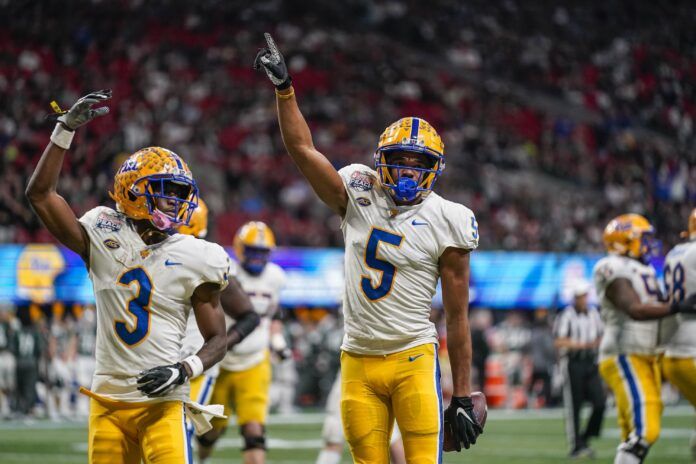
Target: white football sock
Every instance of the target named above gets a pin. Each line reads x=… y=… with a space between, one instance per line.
x=329 y=457
x=624 y=457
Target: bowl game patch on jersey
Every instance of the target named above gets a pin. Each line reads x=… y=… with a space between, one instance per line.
x=361 y=181
x=109 y=221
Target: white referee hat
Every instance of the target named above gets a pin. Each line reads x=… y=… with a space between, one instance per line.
x=580 y=288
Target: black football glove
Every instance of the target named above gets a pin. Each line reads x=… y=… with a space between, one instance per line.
x=270 y=59
x=685 y=306
x=162 y=379
x=82 y=112
x=461 y=421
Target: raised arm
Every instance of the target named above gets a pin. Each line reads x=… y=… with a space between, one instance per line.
x=52 y=208
x=297 y=138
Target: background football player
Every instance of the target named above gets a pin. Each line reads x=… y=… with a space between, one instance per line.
x=245 y=373
x=400 y=238
x=679 y=361
x=629 y=297
x=146 y=281
x=235 y=304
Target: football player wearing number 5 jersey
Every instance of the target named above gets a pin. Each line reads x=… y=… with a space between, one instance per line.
x=630 y=304
x=679 y=361
x=400 y=238
x=146 y=279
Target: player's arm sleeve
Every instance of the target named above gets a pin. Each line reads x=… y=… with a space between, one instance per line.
x=216 y=266
x=460 y=229
x=360 y=182
x=100 y=223
x=606 y=271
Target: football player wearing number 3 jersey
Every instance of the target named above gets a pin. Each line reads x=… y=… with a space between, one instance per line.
x=630 y=302
x=146 y=280
x=400 y=238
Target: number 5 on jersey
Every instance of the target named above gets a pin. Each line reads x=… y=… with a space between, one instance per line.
x=138 y=306
x=387 y=269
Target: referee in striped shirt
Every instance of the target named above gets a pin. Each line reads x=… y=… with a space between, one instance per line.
x=578 y=331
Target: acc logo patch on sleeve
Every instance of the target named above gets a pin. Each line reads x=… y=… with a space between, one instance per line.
x=361 y=181
x=111 y=243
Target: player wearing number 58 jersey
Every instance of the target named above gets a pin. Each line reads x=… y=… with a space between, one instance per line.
x=630 y=302
x=679 y=361
x=401 y=238
x=146 y=280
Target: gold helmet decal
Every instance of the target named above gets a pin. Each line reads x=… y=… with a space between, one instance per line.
x=150 y=174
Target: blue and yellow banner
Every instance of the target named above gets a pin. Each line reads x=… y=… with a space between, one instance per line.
x=43 y=273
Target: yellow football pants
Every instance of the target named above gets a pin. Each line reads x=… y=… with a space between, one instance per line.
x=377 y=389
x=635 y=381
x=681 y=372
x=125 y=433
x=244 y=393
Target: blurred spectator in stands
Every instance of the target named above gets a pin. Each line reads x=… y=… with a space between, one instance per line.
x=543 y=356
x=27 y=347
x=481 y=322
x=7 y=362
x=513 y=337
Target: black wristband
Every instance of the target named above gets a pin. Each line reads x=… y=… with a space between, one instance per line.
x=245 y=324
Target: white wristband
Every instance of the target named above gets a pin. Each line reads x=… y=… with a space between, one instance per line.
x=196 y=365
x=62 y=137
x=278 y=342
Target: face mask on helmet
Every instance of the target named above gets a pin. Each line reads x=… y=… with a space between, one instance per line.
x=409 y=138
x=171 y=200
x=650 y=247
x=401 y=167
x=255 y=259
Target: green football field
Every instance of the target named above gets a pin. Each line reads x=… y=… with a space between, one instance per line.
x=523 y=437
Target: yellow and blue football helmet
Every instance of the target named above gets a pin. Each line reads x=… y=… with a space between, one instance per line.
x=149 y=174
x=198 y=224
x=253 y=244
x=412 y=135
x=631 y=235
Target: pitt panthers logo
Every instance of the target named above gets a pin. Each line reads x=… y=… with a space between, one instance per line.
x=131 y=164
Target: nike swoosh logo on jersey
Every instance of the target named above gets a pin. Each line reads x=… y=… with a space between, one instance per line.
x=416 y=223
x=413 y=358
x=171 y=263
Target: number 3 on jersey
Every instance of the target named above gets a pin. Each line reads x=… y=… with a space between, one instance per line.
x=139 y=306
x=387 y=269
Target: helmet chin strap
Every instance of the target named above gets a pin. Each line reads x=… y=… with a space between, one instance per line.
x=161 y=220
x=406 y=189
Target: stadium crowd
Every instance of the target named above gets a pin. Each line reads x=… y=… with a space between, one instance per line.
x=182 y=78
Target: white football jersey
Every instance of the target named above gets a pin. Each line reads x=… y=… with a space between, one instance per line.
x=623 y=335
x=264 y=293
x=143 y=298
x=680 y=282
x=391 y=263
